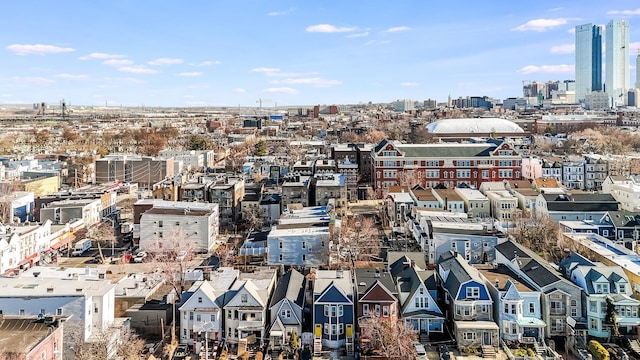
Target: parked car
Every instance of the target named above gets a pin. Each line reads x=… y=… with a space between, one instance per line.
x=181 y=352
x=616 y=352
x=421 y=353
x=139 y=257
x=444 y=352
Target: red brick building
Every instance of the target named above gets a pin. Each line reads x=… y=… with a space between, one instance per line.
x=449 y=164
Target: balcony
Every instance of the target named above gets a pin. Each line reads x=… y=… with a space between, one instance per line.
x=250 y=325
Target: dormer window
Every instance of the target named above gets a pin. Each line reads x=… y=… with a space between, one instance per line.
x=622 y=289
x=473 y=292
x=602 y=288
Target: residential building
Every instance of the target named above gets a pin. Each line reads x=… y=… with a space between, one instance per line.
x=595 y=172
x=287 y=308
x=561 y=297
x=31 y=338
x=329 y=186
x=617 y=61
x=469 y=305
x=202 y=308
x=228 y=196
x=23 y=246
x=169 y=223
x=61 y=212
x=333 y=311
x=399 y=204
x=573 y=174
x=449 y=199
x=295 y=190
x=606 y=286
x=575 y=206
x=301 y=238
x=417 y=295
x=450 y=164
x=143 y=170
x=376 y=295
x=626 y=191
x=246 y=311
x=424 y=198
x=504 y=206
x=518 y=305
x=349 y=170
x=588 y=57
x=476 y=205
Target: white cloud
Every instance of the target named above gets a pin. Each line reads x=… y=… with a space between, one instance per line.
x=97 y=55
x=137 y=69
x=198 y=86
x=207 y=63
x=563 y=49
x=240 y=90
x=280 y=13
x=265 y=70
x=318 y=82
x=281 y=90
x=117 y=62
x=357 y=35
x=165 y=61
x=546 y=69
x=572 y=31
x=634 y=46
x=71 y=76
x=327 y=28
x=541 y=24
x=37 y=49
x=192 y=73
x=397 y=29
x=624 y=12
x=555 y=9
x=409 y=83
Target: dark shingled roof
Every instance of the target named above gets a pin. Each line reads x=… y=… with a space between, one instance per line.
x=291 y=286
x=530 y=263
x=459 y=271
x=368 y=277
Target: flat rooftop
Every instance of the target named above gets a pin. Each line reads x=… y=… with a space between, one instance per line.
x=21 y=334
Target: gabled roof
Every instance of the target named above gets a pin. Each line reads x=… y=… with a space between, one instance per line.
x=580 y=202
x=512 y=292
x=409 y=281
x=568 y=263
x=459 y=272
x=367 y=278
x=400 y=260
x=381 y=145
x=624 y=219
x=290 y=286
x=532 y=265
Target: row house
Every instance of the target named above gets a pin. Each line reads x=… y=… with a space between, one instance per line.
x=518 y=305
x=287 y=309
x=358 y=154
x=247 y=309
x=562 y=299
x=603 y=286
x=626 y=191
x=503 y=205
x=64 y=211
x=376 y=295
x=326 y=186
x=559 y=207
x=417 y=295
x=424 y=198
x=398 y=205
x=444 y=163
x=449 y=199
x=476 y=204
x=22 y=246
x=333 y=311
x=202 y=307
x=143 y=170
x=469 y=306
x=295 y=190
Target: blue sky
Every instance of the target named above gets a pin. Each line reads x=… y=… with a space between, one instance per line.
x=230 y=53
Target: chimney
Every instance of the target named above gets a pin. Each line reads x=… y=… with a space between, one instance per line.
x=377 y=274
x=497 y=283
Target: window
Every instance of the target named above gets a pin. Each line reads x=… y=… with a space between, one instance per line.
x=622 y=289
x=341 y=329
x=340 y=310
x=377 y=310
x=469 y=336
x=43 y=311
x=160 y=235
x=280 y=257
x=160 y=223
x=532 y=308
x=199 y=299
x=365 y=309
x=304 y=244
x=243 y=298
x=334 y=329
x=21 y=311
x=326 y=329
x=593 y=325
x=326 y=310
x=59 y=311
x=304 y=257
x=385 y=311
x=473 y=292
x=198 y=318
x=506 y=308
x=593 y=306
x=212 y=318
x=286 y=313
x=280 y=245
x=191 y=315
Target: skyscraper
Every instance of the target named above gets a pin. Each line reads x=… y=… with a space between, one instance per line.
x=617 y=60
x=588 y=60
x=638 y=71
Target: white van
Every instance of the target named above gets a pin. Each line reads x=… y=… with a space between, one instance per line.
x=421 y=352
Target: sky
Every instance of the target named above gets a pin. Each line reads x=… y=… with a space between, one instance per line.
x=236 y=52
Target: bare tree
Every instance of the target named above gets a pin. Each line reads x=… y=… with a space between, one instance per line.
x=172 y=257
x=359 y=235
x=111 y=342
x=393 y=340
x=537 y=232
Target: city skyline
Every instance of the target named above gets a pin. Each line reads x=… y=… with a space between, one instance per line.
x=289 y=52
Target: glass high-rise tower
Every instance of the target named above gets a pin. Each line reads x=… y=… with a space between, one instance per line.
x=617 y=61
x=588 y=60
